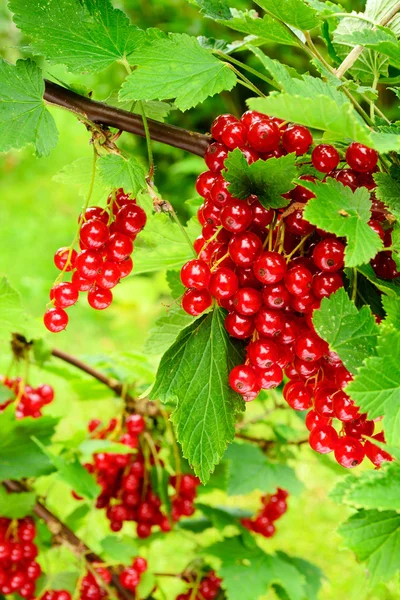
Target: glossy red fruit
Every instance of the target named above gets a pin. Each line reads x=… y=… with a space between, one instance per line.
x=99 y=298
x=135 y=424
x=302 y=194
x=220 y=123
x=239 y=326
x=242 y=379
x=95 y=212
x=55 y=319
x=328 y=255
x=269 y=323
x=298 y=280
x=325 y=158
x=88 y=263
x=344 y=408
x=349 y=452
x=275 y=296
x=61 y=257
x=82 y=283
x=195 y=274
x=244 y=248
x=125 y=267
x=361 y=158
x=250 y=117
x=236 y=216
x=247 y=301
x=323 y=439
x=298 y=395
x=296 y=224
x=195 y=302
x=313 y=420
x=204 y=183
x=219 y=192
x=119 y=247
x=375 y=454
x=346 y=177
x=130 y=219
x=359 y=427
x=263 y=353
x=309 y=347
x=223 y=283
x=109 y=275
x=234 y=135
x=215 y=156
x=377 y=227
x=262 y=216
x=297 y=139
x=323 y=400
x=64 y=294
x=270 y=267
x=264 y=135
x=324 y=285
x=93 y=234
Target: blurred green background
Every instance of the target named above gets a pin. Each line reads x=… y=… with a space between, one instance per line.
x=38 y=215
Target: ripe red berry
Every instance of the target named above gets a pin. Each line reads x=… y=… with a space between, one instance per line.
x=125 y=267
x=135 y=424
x=328 y=255
x=239 y=326
x=93 y=234
x=195 y=274
x=244 y=248
x=88 y=263
x=313 y=420
x=270 y=267
x=119 y=247
x=309 y=347
x=130 y=219
x=298 y=395
x=359 y=427
x=99 y=298
x=323 y=439
x=375 y=454
x=346 y=177
x=250 y=117
x=64 y=294
x=242 y=379
x=204 y=183
x=269 y=323
x=247 y=301
x=349 y=452
x=263 y=353
x=269 y=378
x=297 y=139
x=55 y=319
x=215 y=156
x=94 y=212
x=296 y=224
x=275 y=296
x=344 y=408
x=262 y=216
x=236 y=216
x=325 y=158
x=361 y=158
x=233 y=135
x=298 y=280
x=61 y=258
x=195 y=302
x=82 y=283
x=264 y=135
x=140 y=564
x=220 y=123
x=223 y=283
x=109 y=275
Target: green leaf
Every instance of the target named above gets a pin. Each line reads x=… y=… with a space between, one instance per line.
x=391 y=288
x=381 y=40
x=90 y=447
x=159 y=482
x=267 y=29
x=221 y=517
x=176 y=67
x=161 y=244
x=166 y=329
x=281 y=74
x=338 y=210
x=247 y=572
x=116 y=171
x=73 y=473
x=249 y=470
x=267 y=179
x=376 y=388
x=193 y=374
x=214 y=9
x=76 y=518
x=84 y=35
x=379 y=489
x=175 y=284
x=375 y=538
x=12 y=315
x=65 y=580
x=119 y=549
x=16 y=506
x=6 y=394
x=19 y=455
x=293 y=12
x=313 y=575
x=79 y=174
x=147 y=584
x=392 y=309
x=158 y=111
x=352 y=334
x=388 y=191
x=24 y=118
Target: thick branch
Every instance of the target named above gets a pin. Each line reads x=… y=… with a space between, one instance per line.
x=98 y=112
x=61 y=531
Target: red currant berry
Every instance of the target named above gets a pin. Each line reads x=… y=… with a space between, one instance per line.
x=323 y=439
x=99 y=298
x=64 y=294
x=236 y=216
x=195 y=274
x=93 y=234
x=377 y=227
x=109 y=275
x=264 y=135
x=220 y=123
x=262 y=216
x=81 y=283
x=275 y=296
x=360 y=427
x=55 y=319
x=94 y=212
x=140 y=564
x=313 y=419
x=195 y=302
x=294 y=223
x=361 y=158
x=244 y=248
x=324 y=285
x=323 y=400
x=204 y=183
x=270 y=267
x=61 y=259
x=375 y=454
x=125 y=267
x=349 y=452
x=270 y=378
x=242 y=379
x=247 y=301
x=119 y=247
x=325 y=158
x=215 y=156
x=88 y=263
x=223 y=283
x=269 y=323
x=328 y=255
x=130 y=220
x=250 y=117
x=263 y=353
x=298 y=280
x=298 y=395
x=309 y=347
x=297 y=139
x=344 y=408
x=219 y=192
x=346 y=177
x=239 y=326
x=234 y=135
x=302 y=194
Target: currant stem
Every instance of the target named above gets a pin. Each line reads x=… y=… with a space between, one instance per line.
x=238 y=63
x=148 y=143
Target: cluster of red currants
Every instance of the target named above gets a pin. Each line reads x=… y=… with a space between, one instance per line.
x=29 y=400
x=208 y=588
x=271 y=268
x=18 y=568
x=130 y=576
x=106 y=237
x=273 y=507
x=56 y=595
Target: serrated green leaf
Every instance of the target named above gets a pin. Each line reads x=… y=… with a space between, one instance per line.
x=293 y=12
x=281 y=74
x=381 y=39
x=375 y=538
x=79 y=174
x=24 y=118
x=221 y=517
x=388 y=191
x=392 y=309
x=175 y=284
x=146 y=585
x=166 y=329
x=116 y=171
x=249 y=470
x=267 y=179
x=351 y=333
x=65 y=580
x=158 y=111
x=267 y=29
x=176 y=67
x=19 y=455
x=313 y=575
x=193 y=374
x=376 y=388
x=119 y=549
x=214 y=9
x=12 y=315
x=247 y=572
x=98 y=33
x=75 y=519
x=16 y=506
x=338 y=210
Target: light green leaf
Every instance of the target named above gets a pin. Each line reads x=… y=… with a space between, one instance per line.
x=392 y=309
x=267 y=179
x=90 y=447
x=214 y=9
x=313 y=575
x=158 y=111
x=388 y=191
x=267 y=29
x=175 y=284
x=293 y=12
x=281 y=74
x=378 y=10
x=159 y=483
x=115 y=172
x=119 y=549
x=16 y=506
x=352 y=334
x=166 y=329
x=19 y=455
x=247 y=572
x=12 y=315
x=193 y=374
x=65 y=580
x=24 y=118
x=376 y=388
x=97 y=33
x=338 y=210
x=375 y=538
x=381 y=40
x=249 y=470
x=79 y=174
x=176 y=67
x=224 y=516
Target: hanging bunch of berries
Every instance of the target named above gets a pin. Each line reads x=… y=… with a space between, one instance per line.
x=207 y=589
x=270 y=269
x=125 y=479
x=272 y=509
x=106 y=237
x=29 y=401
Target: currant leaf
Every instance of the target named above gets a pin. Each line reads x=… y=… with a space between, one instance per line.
x=166 y=329
x=115 y=172
x=293 y=12
x=266 y=30
x=215 y=9
x=388 y=191
x=79 y=175
x=382 y=40
x=193 y=375
x=16 y=506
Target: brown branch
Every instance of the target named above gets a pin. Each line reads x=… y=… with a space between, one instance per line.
x=99 y=112
x=61 y=531
x=143 y=406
